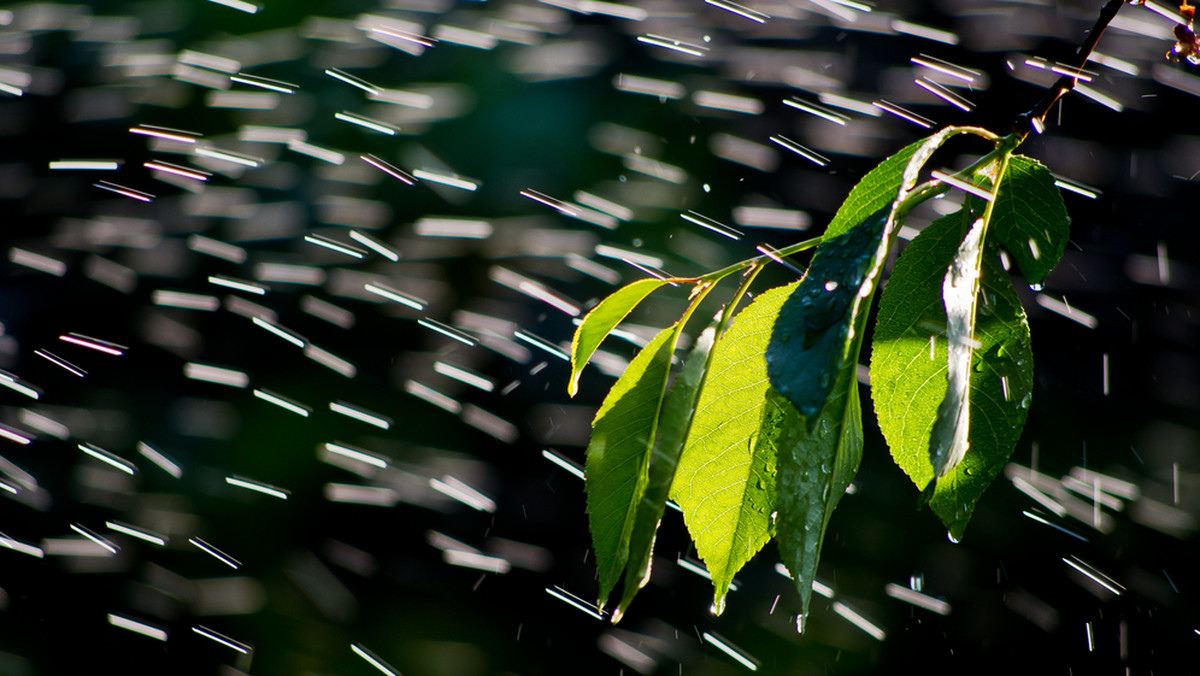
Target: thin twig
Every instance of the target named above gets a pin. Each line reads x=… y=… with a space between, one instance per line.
x=1034 y=120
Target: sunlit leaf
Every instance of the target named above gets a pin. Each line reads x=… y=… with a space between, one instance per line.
x=619 y=454
x=674 y=424
x=615 y=470
x=601 y=321
x=880 y=187
x=725 y=482
x=877 y=190
x=909 y=367
x=1030 y=218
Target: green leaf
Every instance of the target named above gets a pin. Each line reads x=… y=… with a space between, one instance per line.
x=894 y=176
x=673 y=427
x=814 y=472
x=619 y=453
x=602 y=320
x=948 y=440
x=1030 y=218
x=909 y=368
x=877 y=190
x=725 y=482
x=813 y=338
x=615 y=470
x=813 y=361
x=812 y=357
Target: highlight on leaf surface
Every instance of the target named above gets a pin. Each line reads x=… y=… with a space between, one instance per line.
x=949 y=442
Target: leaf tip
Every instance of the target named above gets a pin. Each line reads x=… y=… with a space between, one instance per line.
x=927 y=493
x=617 y=614
x=718 y=605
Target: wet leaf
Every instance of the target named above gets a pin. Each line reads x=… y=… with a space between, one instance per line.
x=616 y=467
x=814 y=336
x=960 y=286
x=1030 y=218
x=725 y=482
x=909 y=364
x=814 y=470
x=812 y=357
x=674 y=424
x=602 y=320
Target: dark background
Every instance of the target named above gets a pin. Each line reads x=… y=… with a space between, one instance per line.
x=318 y=576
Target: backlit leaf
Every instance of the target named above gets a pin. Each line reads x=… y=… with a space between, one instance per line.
x=1030 y=218
x=601 y=321
x=725 y=482
x=674 y=424
x=615 y=470
x=877 y=190
x=880 y=187
x=909 y=367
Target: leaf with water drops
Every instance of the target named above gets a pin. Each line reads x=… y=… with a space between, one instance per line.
x=815 y=335
x=725 y=482
x=815 y=468
x=1029 y=218
x=909 y=363
x=674 y=423
x=602 y=320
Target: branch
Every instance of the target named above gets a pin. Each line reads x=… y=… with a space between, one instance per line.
x=1034 y=120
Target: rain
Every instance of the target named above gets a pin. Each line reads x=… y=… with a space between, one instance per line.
x=288 y=294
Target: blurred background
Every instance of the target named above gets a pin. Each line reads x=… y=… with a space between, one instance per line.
x=287 y=285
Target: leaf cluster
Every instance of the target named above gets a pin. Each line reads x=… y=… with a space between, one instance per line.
x=758 y=433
